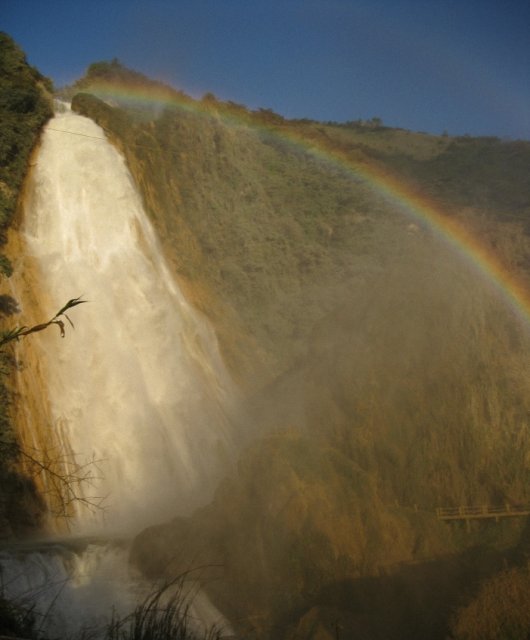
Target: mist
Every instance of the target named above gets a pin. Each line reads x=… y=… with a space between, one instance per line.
x=142 y=372
x=281 y=374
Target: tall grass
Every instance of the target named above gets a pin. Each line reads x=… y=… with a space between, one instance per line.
x=166 y=614
x=17 y=620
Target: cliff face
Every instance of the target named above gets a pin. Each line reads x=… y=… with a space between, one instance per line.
x=25 y=106
x=263 y=237
x=384 y=374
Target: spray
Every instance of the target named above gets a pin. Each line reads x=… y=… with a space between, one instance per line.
x=140 y=389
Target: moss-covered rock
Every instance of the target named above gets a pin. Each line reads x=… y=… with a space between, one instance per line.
x=25 y=106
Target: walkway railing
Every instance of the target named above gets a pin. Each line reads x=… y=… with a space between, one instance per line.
x=482 y=512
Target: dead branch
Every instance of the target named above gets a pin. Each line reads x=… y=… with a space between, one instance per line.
x=20 y=332
x=64 y=477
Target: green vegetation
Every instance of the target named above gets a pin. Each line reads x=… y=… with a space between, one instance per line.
x=386 y=375
x=257 y=228
x=25 y=106
x=271 y=236
x=500 y=610
x=484 y=174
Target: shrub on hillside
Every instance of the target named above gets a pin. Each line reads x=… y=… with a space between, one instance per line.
x=500 y=611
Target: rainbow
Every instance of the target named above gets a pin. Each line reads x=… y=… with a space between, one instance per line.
x=415 y=205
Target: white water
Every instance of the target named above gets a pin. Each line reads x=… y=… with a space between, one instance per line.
x=70 y=590
x=139 y=385
x=74 y=590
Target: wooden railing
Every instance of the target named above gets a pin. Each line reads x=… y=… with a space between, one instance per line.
x=482 y=512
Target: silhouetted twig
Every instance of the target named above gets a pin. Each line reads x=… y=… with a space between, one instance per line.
x=65 y=477
x=20 y=332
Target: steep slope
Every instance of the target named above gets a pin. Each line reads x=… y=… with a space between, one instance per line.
x=384 y=375
x=258 y=225
x=25 y=106
x=388 y=376
x=263 y=235
x=415 y=396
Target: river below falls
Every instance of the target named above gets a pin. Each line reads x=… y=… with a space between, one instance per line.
x=76 y=586
x=135 y=405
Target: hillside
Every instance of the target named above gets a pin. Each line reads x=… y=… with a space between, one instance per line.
x=385 y=375
x=25 y=106
x=262 y=226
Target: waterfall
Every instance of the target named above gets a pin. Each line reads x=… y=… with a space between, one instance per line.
x=138 y=390
x=134 y=401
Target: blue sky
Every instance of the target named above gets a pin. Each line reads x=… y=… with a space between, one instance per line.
x=457 y=65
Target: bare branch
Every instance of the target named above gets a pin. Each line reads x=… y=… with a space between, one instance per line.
x=64 y=477
x=20 y=332
x=61 y=476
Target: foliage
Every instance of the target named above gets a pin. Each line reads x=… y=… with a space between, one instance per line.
x=163 y=615
x=485 y=174
x=248 y=216
x=405 y=380
x=25 y=105
x=112 y=71
x=103 y=77
x=6 y=268
x=500 y=610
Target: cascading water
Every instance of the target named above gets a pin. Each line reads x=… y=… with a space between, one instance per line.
x=139 y=387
